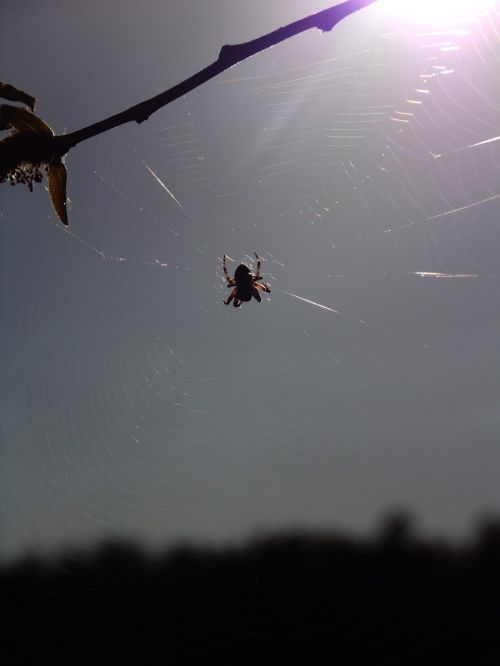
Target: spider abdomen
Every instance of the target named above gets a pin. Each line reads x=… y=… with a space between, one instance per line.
x=242 y=274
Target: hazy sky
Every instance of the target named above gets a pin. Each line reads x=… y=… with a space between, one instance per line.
x=134 y=403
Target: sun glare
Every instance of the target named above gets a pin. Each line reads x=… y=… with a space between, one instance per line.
x=437 y=9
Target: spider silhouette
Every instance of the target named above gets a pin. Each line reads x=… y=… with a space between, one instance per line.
x=245 y=284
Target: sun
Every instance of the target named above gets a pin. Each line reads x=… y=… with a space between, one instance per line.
x=423 y=10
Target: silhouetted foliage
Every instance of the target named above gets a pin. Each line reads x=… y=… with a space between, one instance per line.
x=296 y=598
x=28 y=152
x=7 y=91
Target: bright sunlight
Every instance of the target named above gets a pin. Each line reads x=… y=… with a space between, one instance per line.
x=437 y=9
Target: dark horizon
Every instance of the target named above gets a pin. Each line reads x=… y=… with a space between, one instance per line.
x=391 y=597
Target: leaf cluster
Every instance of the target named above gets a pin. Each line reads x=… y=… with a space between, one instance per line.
x=30 y=151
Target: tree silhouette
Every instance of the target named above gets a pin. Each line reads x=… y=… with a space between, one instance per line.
x=303 y=598
x=32 y=146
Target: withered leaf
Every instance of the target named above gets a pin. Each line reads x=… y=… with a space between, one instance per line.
x=57 y=190
x=7 y=91
x=21 y=120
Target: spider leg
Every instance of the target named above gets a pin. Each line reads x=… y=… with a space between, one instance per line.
x=257 y=275
x=263 y=287
x=231 y=296
x=256 y=295
x=237 y=303
x=226 y=274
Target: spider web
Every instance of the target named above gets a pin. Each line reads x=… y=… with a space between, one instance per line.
x=364 y=170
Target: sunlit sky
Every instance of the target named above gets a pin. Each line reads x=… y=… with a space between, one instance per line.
x=427 y=11
x=363 y=167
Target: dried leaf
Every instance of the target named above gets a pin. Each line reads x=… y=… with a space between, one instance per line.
x=15 y=95
x=22 y=120
x=57 y=190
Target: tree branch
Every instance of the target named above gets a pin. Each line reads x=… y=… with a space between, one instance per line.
x=229 y=56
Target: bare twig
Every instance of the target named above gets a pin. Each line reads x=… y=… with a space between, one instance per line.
x=32 y=148
x=229 y=56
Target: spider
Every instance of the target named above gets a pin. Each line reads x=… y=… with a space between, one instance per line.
x=245 y=284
